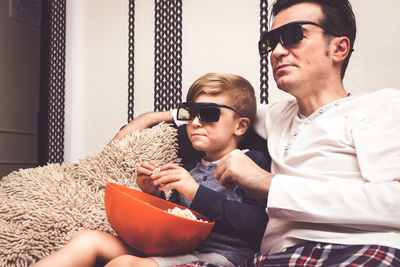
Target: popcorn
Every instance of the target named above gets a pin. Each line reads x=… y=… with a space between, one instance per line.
x=186 y=213
x=156 y=170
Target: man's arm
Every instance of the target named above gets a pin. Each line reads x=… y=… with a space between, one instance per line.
x=143 y=121
x=354 y=203
x=370 y=201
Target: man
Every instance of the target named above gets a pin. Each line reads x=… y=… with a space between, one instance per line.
x=334 y=187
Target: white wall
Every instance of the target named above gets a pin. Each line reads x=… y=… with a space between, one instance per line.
x=374 y=63
x=218 y=35
x=96 y=74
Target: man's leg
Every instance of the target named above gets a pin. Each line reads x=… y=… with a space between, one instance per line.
x=322 y=254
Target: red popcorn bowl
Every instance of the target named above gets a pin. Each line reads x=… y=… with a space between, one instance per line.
x=142 y=221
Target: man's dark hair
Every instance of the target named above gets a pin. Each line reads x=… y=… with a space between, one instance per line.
x=338 y=17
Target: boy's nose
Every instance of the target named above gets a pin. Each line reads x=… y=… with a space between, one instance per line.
x=196 y=120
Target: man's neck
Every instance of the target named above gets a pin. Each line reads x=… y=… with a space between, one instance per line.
x=319 y=97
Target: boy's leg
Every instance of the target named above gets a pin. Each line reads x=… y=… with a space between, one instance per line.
x=84 y=248
x=128 y=260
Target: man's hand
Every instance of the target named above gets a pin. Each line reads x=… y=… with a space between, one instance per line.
x=237 y=168
x=144 y=180
x=143 y=121
x=172 y=176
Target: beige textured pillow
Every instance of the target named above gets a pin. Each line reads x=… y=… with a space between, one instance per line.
x=40 y=208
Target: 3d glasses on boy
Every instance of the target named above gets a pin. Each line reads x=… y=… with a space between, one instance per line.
x=205 y=111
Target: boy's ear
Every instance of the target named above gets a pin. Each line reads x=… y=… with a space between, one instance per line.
x=242 y=126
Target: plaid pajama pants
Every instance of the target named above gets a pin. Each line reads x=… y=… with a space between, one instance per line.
x=322 y=254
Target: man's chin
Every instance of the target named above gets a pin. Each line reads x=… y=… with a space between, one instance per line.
x=284 y=86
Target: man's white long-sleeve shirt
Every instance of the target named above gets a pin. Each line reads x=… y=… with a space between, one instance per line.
x=337 y=172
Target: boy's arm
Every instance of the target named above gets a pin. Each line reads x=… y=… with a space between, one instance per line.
x=246 y=219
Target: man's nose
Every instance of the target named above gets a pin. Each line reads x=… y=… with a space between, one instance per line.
x=279 y=50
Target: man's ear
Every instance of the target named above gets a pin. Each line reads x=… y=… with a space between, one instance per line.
x=242 y=126
x=342 y=48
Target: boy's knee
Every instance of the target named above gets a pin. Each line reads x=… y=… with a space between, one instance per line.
x=87 y=236
x=125 y=260
x=128 y=260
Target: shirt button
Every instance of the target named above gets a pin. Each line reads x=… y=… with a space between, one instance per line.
x=321 y=111
x=336 y=103
x=307 y=121
x=205 y=178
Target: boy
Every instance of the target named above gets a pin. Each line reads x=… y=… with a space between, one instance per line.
x=219 y=110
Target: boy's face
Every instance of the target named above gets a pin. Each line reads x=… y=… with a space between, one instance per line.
x=216 y=139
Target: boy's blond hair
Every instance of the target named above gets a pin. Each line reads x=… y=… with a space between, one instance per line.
x=240 y=91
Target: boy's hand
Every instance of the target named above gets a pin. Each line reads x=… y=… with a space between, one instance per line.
x=144 y=180
x=173 y=176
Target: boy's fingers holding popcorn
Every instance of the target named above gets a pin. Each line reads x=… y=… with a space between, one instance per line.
x=143 y=171
x=167 y=186
x=161 y=173
x=151 y=165
x=164 y=179
x=169 y=166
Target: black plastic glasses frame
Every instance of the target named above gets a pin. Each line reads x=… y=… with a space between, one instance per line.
x=205 y=111
x=287 y=34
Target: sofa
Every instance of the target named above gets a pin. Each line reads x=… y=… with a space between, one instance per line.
x=40 y=208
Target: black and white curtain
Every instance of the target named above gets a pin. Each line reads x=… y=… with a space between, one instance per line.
x=168 y=54
x=52 y=82
x=131 y=57
x=263 y=60
x=167 y=66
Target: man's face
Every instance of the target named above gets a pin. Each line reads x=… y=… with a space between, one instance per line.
x=302 y=67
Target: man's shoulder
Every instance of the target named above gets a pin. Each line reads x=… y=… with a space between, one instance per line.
x=386 y=92
x=371 y=107
x=279 y=108
x=386 y=97
x=288 y=103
